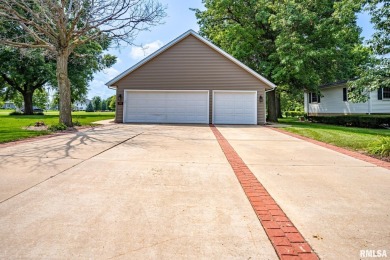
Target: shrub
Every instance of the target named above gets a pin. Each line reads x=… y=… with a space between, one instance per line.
x=57 y=127
x=16 y=113
x=380 y=147
x=76 y=123
x=294 y=113
x=366 y=121
x=39 y=123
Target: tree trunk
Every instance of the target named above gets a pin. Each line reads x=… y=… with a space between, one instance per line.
x=272 y=110
x=64 y=88
x=278 y=106
x=28 y=103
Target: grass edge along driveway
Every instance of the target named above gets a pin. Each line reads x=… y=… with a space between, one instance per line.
x=353 y=138
x=12 y=127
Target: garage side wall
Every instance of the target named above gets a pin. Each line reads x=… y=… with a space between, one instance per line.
x=261 y=112
x=191 y=65
x=119 y=108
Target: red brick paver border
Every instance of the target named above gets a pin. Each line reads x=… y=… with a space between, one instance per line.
x=284 y=236
x=350 y=153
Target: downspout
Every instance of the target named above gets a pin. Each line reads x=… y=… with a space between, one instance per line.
x=369 y=103
x=307 y=93
x=308 y=104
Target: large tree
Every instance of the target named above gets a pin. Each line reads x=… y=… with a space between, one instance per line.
x=59 y=27
x=97 y=103
x=83 y=63
x=375 y=73
x=24 y=73
x=104 y=105
x=297 y=44
x=111 y=101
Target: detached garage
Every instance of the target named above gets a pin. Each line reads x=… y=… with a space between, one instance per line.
x=190 y=80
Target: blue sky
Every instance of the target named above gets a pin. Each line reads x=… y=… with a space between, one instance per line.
x=179 y=20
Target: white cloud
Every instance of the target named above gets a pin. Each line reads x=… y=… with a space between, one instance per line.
x=138 y=53
x=97 y=87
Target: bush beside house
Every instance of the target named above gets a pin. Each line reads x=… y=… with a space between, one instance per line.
x=366 y=121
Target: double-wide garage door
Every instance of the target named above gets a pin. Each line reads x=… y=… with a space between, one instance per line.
x=164 y=106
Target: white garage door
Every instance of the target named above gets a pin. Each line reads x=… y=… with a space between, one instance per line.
x=166 y=107
x=235 y=107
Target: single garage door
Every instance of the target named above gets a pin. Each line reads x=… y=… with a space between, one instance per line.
x=166 y=107
x=235 y=107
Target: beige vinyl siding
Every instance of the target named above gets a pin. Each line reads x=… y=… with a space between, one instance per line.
x=261 y=109
x=191 y=65
x=119 y=108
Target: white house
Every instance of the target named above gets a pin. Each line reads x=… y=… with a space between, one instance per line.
x=9 y=105
x=81 y=106
x=334 y=101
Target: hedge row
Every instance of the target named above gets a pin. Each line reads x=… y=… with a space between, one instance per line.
x=367 y=121
x=294 y=113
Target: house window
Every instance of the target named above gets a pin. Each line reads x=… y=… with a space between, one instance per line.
x=345 y=94
x=386 y=93
x=314 y=98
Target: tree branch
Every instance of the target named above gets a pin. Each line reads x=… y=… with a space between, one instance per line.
x=12 y=82
x=26 y=45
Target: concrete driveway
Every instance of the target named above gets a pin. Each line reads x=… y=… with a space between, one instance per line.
x=341 y=205
x=126 y=191
x=167 y=191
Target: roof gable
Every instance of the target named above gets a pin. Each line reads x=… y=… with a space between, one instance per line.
x=180 y=39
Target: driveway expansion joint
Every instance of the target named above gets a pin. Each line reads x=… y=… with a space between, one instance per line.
x=287 y=241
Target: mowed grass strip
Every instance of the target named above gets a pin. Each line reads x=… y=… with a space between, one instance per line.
x=358 y=139
x=11 y=127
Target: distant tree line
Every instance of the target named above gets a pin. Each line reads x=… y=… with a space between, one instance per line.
x=99 y=104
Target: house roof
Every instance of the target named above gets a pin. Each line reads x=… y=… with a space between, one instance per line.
x=112 y=82
x=335 y=84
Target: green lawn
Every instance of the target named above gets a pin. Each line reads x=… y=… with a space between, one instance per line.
x=354 y=138
x=11 y=127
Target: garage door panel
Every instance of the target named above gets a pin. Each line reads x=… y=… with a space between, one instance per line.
x=235 y=107
x=166 y=107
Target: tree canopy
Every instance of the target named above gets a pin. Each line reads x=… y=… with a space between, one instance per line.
x=376 y=72
x=25 y=71
x=97 y=103
x=298 y=45
x=61 y=27
x=112 y=102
